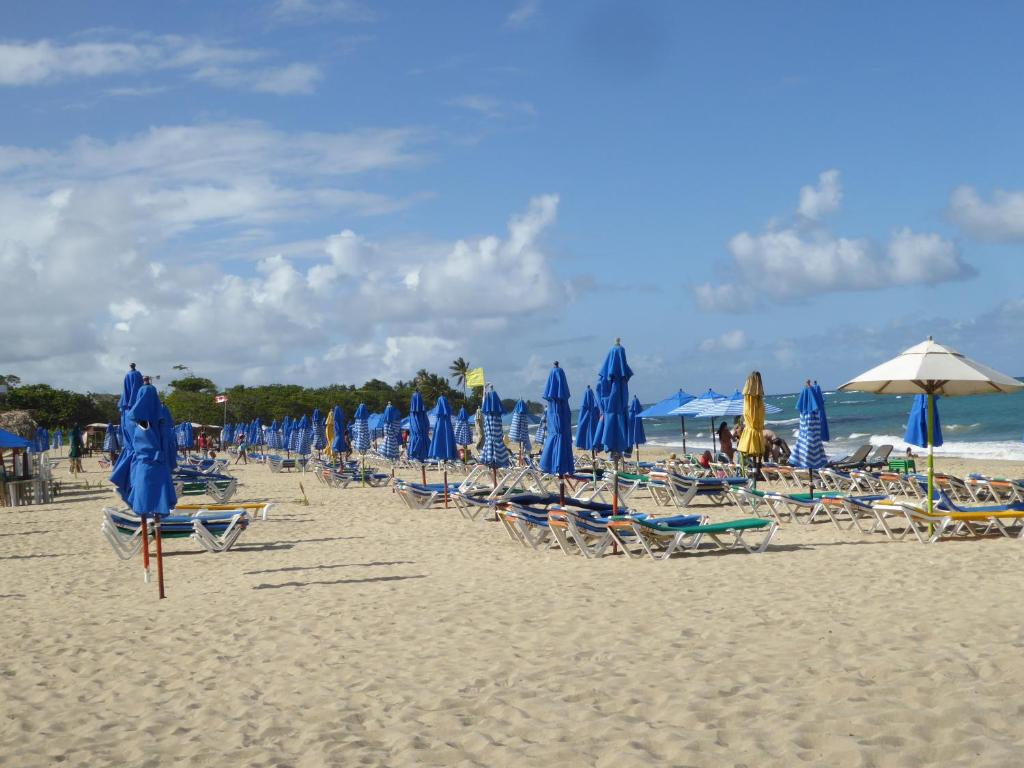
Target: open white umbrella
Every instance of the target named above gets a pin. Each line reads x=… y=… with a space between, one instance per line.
x=932 y=369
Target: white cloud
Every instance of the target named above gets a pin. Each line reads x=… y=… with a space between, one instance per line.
x=1000 y=221
x=311 y=11
x=44 y=61
x=805 y=259
x=730 y=341
x=816 y=202
x=523 y=13
x=493 y=107
x=107 y=232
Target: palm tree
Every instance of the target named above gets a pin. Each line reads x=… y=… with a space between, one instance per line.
x=459 y=369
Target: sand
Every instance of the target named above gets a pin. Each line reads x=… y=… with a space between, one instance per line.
x=354 y=631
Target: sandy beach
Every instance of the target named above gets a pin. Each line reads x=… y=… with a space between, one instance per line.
x=354 y=631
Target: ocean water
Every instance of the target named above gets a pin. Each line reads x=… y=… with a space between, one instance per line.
x=981 y=427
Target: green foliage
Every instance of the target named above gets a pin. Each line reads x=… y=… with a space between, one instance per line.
x=194 y=384
x=10 y=380
x=459 y=369
x=60 y=407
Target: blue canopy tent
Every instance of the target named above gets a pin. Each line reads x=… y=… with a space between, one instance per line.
x=809 y=453
x=556 y=456
x=695 y=406
x=666 y=407
x=636 y=426
x=613 y=396
x=419 y=433
x=519 y=431
x=494 y=454
x=442 y=443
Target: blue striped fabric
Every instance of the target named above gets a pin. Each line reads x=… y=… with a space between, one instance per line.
x=542 y=429
x=389 y=447
x=494 y=453
x=809 y=453
x=360 y=435
x=519 y=431
x=463 y=436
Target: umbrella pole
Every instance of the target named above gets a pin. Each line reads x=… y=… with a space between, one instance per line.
x=362 y=470
x=714 y=445
x=561 y=489
x=445 y=486
x=159 y=556
x=423 y=473
x=682 y=428
x=145 y=550
x=931 y=455
x=615 y=485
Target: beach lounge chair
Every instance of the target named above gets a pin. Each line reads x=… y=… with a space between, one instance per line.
x=750 y=500
x=214 y=531
x=878 y=457
x=949 y=520
x=780 y=473
x=998 y=490
x=218 y=487
x=852 y=508
x=793 y=506
x=419 y=496
x=660 y=541
x=854 y=460
x=670 y=488
x=258 y=510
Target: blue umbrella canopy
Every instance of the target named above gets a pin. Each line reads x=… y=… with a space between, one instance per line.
x=274 y=436
x=11 y=440
x=917 y=423
x=586 y=427
x=443 y=446
x=636 y=423
x=519 y=431
x=148 y=487
x=361 y=429
x=494 y=453
x=391 y=419
x=340 y=443
x=819 y=397
x=419 y=429
x=613 y=396
x=301 y=441
x=667 y=406
x=697 y=404
x=129 y=391
x=463 y=435
x=808 y=453
x=256 y=436
x=227 y=435
x=730 y=406
x=556 y=457
x=188 y=437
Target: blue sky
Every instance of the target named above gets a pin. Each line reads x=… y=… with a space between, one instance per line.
x=318 y=191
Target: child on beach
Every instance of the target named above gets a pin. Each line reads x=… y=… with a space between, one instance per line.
x=241 y=453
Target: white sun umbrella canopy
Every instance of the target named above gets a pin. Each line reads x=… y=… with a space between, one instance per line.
x=932 y=369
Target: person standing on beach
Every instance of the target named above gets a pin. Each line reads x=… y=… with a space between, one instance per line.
x=241 y=452
x=75 y=450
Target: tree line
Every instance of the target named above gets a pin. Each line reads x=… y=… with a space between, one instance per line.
x=191 y=398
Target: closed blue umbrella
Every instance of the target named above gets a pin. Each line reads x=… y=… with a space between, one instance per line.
x=419 y=431
x=227 y=435
x=188 y=436
x=494 y=453
x=129 y=390
x=819 y=396
x=666 y=407
x=389 y=448
x=273 y=436
x=917 y=423
x=556 y=456
x=541 y=432
x=519 y=430
x=586 y=426
x=58 y=439
x=148 y=487
x=636 y=426
x=110 y=444
x=463 y=436
x=361 y=429
x=443 y=447
x=809 y=453
x=302 y=437
x=340 y=443
x=613 y=396
x=319 y=428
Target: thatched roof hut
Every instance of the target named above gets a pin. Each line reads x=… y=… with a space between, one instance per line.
x=18 y=422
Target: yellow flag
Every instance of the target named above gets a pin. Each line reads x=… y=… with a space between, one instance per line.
x=475 y=377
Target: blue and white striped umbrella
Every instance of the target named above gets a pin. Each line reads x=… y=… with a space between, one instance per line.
x=301 y=438
x=519 y=431
x=463 y=436
x=361 y=429
x=392 y=420
x=110 y=441
x=319 y=431
x=542 y=430
x=494 y=453
x=809 y=453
